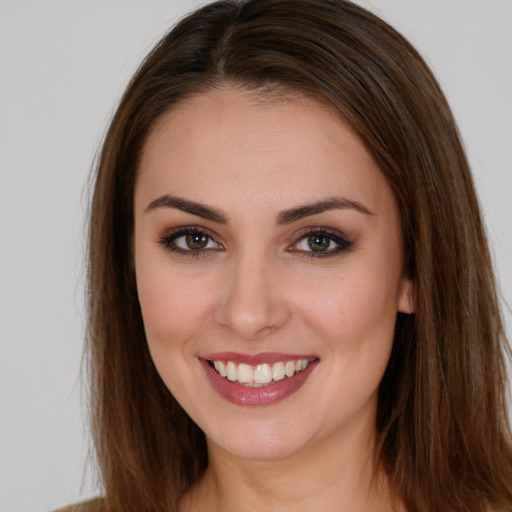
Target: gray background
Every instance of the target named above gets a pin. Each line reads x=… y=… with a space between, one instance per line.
x=64 y=65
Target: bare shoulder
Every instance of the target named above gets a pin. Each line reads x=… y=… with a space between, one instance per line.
x=94 y=505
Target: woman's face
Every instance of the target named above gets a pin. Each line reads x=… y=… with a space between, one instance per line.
x=269 y=264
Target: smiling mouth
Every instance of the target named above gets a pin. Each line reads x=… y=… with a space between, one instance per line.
x=259 y=375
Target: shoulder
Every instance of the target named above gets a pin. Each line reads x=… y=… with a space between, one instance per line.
x=94 y=505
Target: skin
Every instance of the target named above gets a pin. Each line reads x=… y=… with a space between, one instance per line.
x=255 y=288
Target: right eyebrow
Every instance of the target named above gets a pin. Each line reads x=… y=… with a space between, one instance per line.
x=299 y=212
x=185 y=205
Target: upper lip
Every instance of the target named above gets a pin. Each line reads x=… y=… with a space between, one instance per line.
x=254 y=359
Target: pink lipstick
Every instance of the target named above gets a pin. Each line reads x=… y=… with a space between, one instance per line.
x=257 y=379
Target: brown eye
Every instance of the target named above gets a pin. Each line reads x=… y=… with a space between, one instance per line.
x=196 y=241
x=320 y=243
x=190 y=242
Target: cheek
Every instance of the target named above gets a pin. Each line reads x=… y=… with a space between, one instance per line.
x=174 y=308
x=352 y=308
x=354 y=325
x=353 y=319
x=173 y=305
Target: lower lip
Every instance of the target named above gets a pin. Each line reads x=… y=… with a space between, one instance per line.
x=251 y=396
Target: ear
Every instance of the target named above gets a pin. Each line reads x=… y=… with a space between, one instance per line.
x=406 y=302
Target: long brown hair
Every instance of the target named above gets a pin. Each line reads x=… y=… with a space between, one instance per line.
x=443 y=436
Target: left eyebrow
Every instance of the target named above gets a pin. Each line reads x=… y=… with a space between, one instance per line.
x=333 y=203
x=186 y=205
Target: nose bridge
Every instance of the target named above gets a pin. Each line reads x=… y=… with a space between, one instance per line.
x=253 y=303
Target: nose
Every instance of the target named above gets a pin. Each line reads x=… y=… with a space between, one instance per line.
x=252 y=304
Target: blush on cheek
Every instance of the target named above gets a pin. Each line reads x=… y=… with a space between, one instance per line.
x=358 y=317
x=171 y=309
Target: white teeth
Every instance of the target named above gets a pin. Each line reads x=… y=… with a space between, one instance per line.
x=245 y=374
x=278 y=371
x=220 y=367
x=289 y=368
x=260 y=374
x=231 y=371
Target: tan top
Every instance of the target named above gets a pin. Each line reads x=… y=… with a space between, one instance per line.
x=94 y=505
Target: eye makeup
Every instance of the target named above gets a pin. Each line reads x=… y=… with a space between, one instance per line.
x=190 y=241
x=313 y=242
x=321 y=242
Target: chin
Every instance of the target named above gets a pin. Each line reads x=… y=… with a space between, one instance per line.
x=261 y=440
x=262 y=449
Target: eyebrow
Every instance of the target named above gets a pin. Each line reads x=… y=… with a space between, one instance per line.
x=284 y=217
x=185 y=205
x=333 y=203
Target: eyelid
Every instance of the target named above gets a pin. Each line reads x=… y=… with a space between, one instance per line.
x=170 y=235
x=338 y=237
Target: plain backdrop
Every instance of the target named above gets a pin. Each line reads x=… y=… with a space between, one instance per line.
x=63 y=66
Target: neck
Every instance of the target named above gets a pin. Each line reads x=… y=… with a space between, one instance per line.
x=330 y=474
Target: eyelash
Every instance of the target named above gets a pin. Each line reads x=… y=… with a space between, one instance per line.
x=168 y=241
x=342 y=242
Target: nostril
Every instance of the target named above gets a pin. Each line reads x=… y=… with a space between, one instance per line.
x=252 y=305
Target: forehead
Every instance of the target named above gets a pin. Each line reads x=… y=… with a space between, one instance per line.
x=235 y=145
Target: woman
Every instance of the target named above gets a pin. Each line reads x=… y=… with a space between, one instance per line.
x=292 y=303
